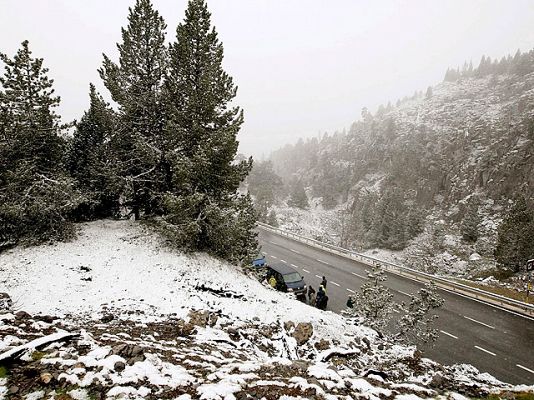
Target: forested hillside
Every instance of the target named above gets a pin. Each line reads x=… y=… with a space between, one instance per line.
x=443 y=167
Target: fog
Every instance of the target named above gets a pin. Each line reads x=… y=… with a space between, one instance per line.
x=303 y=67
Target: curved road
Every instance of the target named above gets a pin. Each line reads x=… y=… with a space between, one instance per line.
x=491 y=339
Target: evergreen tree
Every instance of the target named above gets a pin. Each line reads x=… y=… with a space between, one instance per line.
x=204 y=207
x=514 y=236
x=36 y=196
x=264 y=185
x=272 y=220
x=89 y=159
x=136 y=85
x=471 y=222
x=298 y=197
x=428 y=94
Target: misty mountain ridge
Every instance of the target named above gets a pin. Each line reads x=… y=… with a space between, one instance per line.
x=447 y=164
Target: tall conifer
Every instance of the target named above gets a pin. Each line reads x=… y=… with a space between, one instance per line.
x=201 y=133
x=89 y=159
x=135 y=84
x=36 y=196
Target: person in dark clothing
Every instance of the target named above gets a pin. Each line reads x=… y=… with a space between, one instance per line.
x=350 y=302
x=311 y=295
x=323 y=283
x=322 y=298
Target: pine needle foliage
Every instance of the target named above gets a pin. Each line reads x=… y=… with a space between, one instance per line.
x=136 y=85
x=203 y=202
x=36 y=195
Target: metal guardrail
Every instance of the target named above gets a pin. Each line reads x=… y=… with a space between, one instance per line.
x=444 y=283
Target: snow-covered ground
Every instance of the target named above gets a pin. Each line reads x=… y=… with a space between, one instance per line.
x=154 y=322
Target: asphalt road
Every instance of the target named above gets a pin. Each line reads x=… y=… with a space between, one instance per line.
x=491 y=339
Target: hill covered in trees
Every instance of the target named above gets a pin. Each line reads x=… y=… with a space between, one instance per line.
x=434 y=174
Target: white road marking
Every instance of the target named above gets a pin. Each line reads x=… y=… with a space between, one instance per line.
x=296 y=266
x=324 y=262
x=334 y=283
x=485 y=351
x=478 y=322
x=276 y=258
x=317 y=276
x=284 y=261
x=525 y=368
x=265 y=253
x=449 y=334
x=350 y=290
x=359 y=276
x=404 y=293
x=305 y=270
x=276 y=244
x=295 y=251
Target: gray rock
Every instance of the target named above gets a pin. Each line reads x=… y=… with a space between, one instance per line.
x=107 y=318
x=198 y=318
x=119 y=366
x=303 y=332
x=5 y=302
x=288 y=325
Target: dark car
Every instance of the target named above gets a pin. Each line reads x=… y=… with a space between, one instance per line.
x=287 y=279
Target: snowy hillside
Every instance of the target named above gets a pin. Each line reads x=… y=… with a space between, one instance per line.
x=433 y=176
x=147 y=322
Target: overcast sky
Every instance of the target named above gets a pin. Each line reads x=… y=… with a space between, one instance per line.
x=302 y=66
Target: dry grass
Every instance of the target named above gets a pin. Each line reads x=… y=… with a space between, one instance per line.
x=502 y=291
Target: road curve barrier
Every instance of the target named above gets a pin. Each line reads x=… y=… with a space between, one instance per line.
x=478 y=294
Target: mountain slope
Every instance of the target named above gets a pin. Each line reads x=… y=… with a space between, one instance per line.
x=447 y=163
x=155 y=323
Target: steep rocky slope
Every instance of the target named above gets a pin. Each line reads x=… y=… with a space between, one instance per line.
x=445 y=166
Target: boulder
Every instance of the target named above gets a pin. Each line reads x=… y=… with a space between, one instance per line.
x=22 y=315
x=5 y=302
x=45 y=318
x=119 y=366
x=107 y=318
x=303 y=332
x=129 y=352
x=46 y=377
x=288 y=325
x=322 y=344
x=198 y=318
x=213 y=318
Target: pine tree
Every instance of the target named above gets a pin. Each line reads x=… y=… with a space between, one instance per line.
x=36 y=196
x=428 y=94
x=298 y=197
x=203 y=205
x=136 y=85
x=89 y=159
x=514 y=236
x=470 y=222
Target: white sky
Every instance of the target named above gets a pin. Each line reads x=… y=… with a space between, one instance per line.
x=302 y=66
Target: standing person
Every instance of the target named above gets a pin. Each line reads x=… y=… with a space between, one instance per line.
x=350 y=302
x=319 y=298
x=311 y=294
x=323 y=283
x=325 y=303
x=321 y=295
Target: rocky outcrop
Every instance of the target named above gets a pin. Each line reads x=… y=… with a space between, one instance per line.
x=303 y=332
